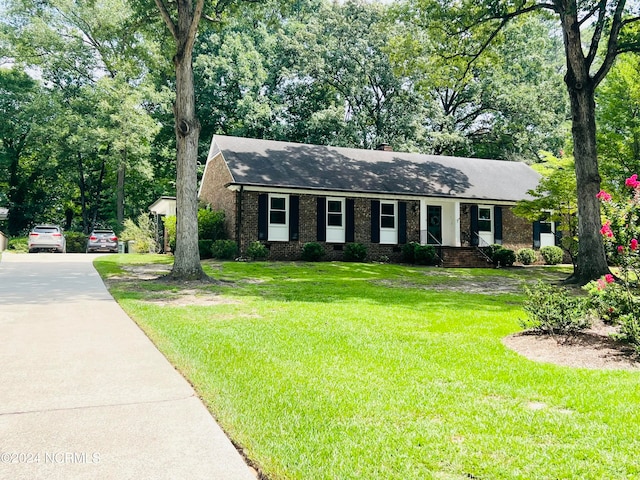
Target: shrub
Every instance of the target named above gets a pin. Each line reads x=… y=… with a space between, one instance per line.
x=142 y=233
x=418 y=254
x=409 y=252
x=425 y=254
x=170 y=226
x=355 y=252
x=257 y=251
x=609 y=300
x=526 y=256
x=630 y=329
x=619 y=300
x=504 y=257
x=224 y=249
x=551 y=254
x=553 y=310
x=76 y=242
x=499 y=255
x=211 y=225
x=312 y=252
x=204 y=247
x=18 y=245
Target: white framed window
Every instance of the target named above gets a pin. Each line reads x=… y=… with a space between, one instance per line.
x=547 y=230
x=485 y=225
x=278 y=218
x=388 y=222
x=336 y=220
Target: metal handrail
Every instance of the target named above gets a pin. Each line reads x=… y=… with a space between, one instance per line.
x=438 y=246
x=479 y=247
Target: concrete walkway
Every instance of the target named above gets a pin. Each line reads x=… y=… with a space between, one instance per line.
x=84 y=394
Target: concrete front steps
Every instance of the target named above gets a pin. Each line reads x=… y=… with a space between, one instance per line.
x=464 y=257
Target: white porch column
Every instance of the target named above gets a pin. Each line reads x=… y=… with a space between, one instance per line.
x=456 y=210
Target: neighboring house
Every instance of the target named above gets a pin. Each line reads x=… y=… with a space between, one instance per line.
x=161 y=208
x=287 y=194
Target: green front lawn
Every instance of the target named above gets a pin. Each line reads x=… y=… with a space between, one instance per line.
x=366 y=371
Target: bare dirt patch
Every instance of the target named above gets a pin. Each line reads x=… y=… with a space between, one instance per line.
x=186 y=298
x=593 y=349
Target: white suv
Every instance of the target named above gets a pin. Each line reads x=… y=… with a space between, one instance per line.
x=47 y=237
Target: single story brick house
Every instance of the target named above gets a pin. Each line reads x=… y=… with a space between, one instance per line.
x=286 y=194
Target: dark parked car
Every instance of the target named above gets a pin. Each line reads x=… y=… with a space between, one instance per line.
x=47 y=237
x=102 y=241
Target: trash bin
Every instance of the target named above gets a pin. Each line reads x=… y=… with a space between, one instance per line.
x=131 y=246
x=122 y=247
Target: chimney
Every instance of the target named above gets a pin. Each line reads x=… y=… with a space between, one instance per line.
x=385 y=147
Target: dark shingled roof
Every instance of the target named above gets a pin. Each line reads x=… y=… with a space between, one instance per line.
x=292 y=165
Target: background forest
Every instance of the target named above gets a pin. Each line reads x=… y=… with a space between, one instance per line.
x=86 y=129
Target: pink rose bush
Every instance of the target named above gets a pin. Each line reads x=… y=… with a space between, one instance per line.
x=618 y=300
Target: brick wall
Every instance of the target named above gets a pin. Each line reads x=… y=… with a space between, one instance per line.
x=516 y=232
x=214 y=192
x=308 y=230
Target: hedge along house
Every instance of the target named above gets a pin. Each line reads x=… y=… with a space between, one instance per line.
x=286 y=194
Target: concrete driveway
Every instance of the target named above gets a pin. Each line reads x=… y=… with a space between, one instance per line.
x=84 y=394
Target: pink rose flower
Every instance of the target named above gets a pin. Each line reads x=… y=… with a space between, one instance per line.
x=609 y=278
x=601 y=284
x=604 y=196
x=634 y=244
x=632 y=181
x=620 y=249
x=606 y=229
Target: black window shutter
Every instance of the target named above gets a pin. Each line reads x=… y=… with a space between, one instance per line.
x=536 y=234
x=497 y=225
x=322 y=219
x=557 y=234
x=350 y=234
x=402 y=222
x=475 y=239
x=263 y=216
x=375 y=221
x=294 y=218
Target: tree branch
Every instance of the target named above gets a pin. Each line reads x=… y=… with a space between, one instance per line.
x=597 y=34
x=612 y=45
x=166 y=16
x=195 y=21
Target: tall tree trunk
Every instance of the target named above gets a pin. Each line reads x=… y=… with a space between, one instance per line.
x=120 y=192
x=83 y=195
x=592 y=261
x=187 y=257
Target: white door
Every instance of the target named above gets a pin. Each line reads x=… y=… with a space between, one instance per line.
x=547 y=234
x=485 y=225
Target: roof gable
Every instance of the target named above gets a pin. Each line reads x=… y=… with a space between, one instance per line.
x=291 y=165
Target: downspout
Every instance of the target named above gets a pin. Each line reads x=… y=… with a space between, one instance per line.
x=239 y=195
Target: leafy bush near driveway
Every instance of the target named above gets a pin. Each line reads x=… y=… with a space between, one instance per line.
x=553 y=310
x=18 y=245
x=552 y=255
x=142 y=232
x=312 y=252
x=526 y=256
x=76 y=242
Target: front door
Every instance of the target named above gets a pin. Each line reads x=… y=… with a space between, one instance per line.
x=434 y=224
x=485 y=225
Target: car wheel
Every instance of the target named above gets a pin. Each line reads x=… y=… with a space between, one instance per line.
x=31 y=250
